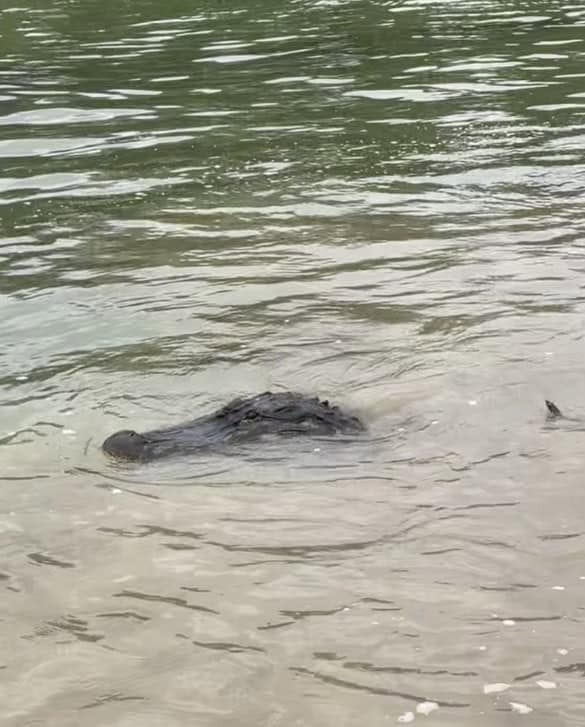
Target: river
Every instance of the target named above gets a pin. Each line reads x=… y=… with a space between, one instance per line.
x=381 y=203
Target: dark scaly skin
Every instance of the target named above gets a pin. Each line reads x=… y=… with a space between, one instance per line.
x=553 y=410
x=284 y=413
x=555 y=414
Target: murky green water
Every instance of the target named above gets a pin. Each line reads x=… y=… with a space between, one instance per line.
x=381 y=203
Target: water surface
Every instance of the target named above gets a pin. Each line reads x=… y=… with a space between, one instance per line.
x=380 y=203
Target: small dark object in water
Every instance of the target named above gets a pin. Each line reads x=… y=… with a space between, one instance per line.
x=284 y=413
x=553 y=410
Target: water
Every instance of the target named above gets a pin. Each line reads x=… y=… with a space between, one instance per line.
x=376 y=202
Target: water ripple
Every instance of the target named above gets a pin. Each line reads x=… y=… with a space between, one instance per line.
x=376 y=202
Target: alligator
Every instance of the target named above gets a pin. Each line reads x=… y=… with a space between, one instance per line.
x=554 y=414
x=242 y=419
x=553 y=410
